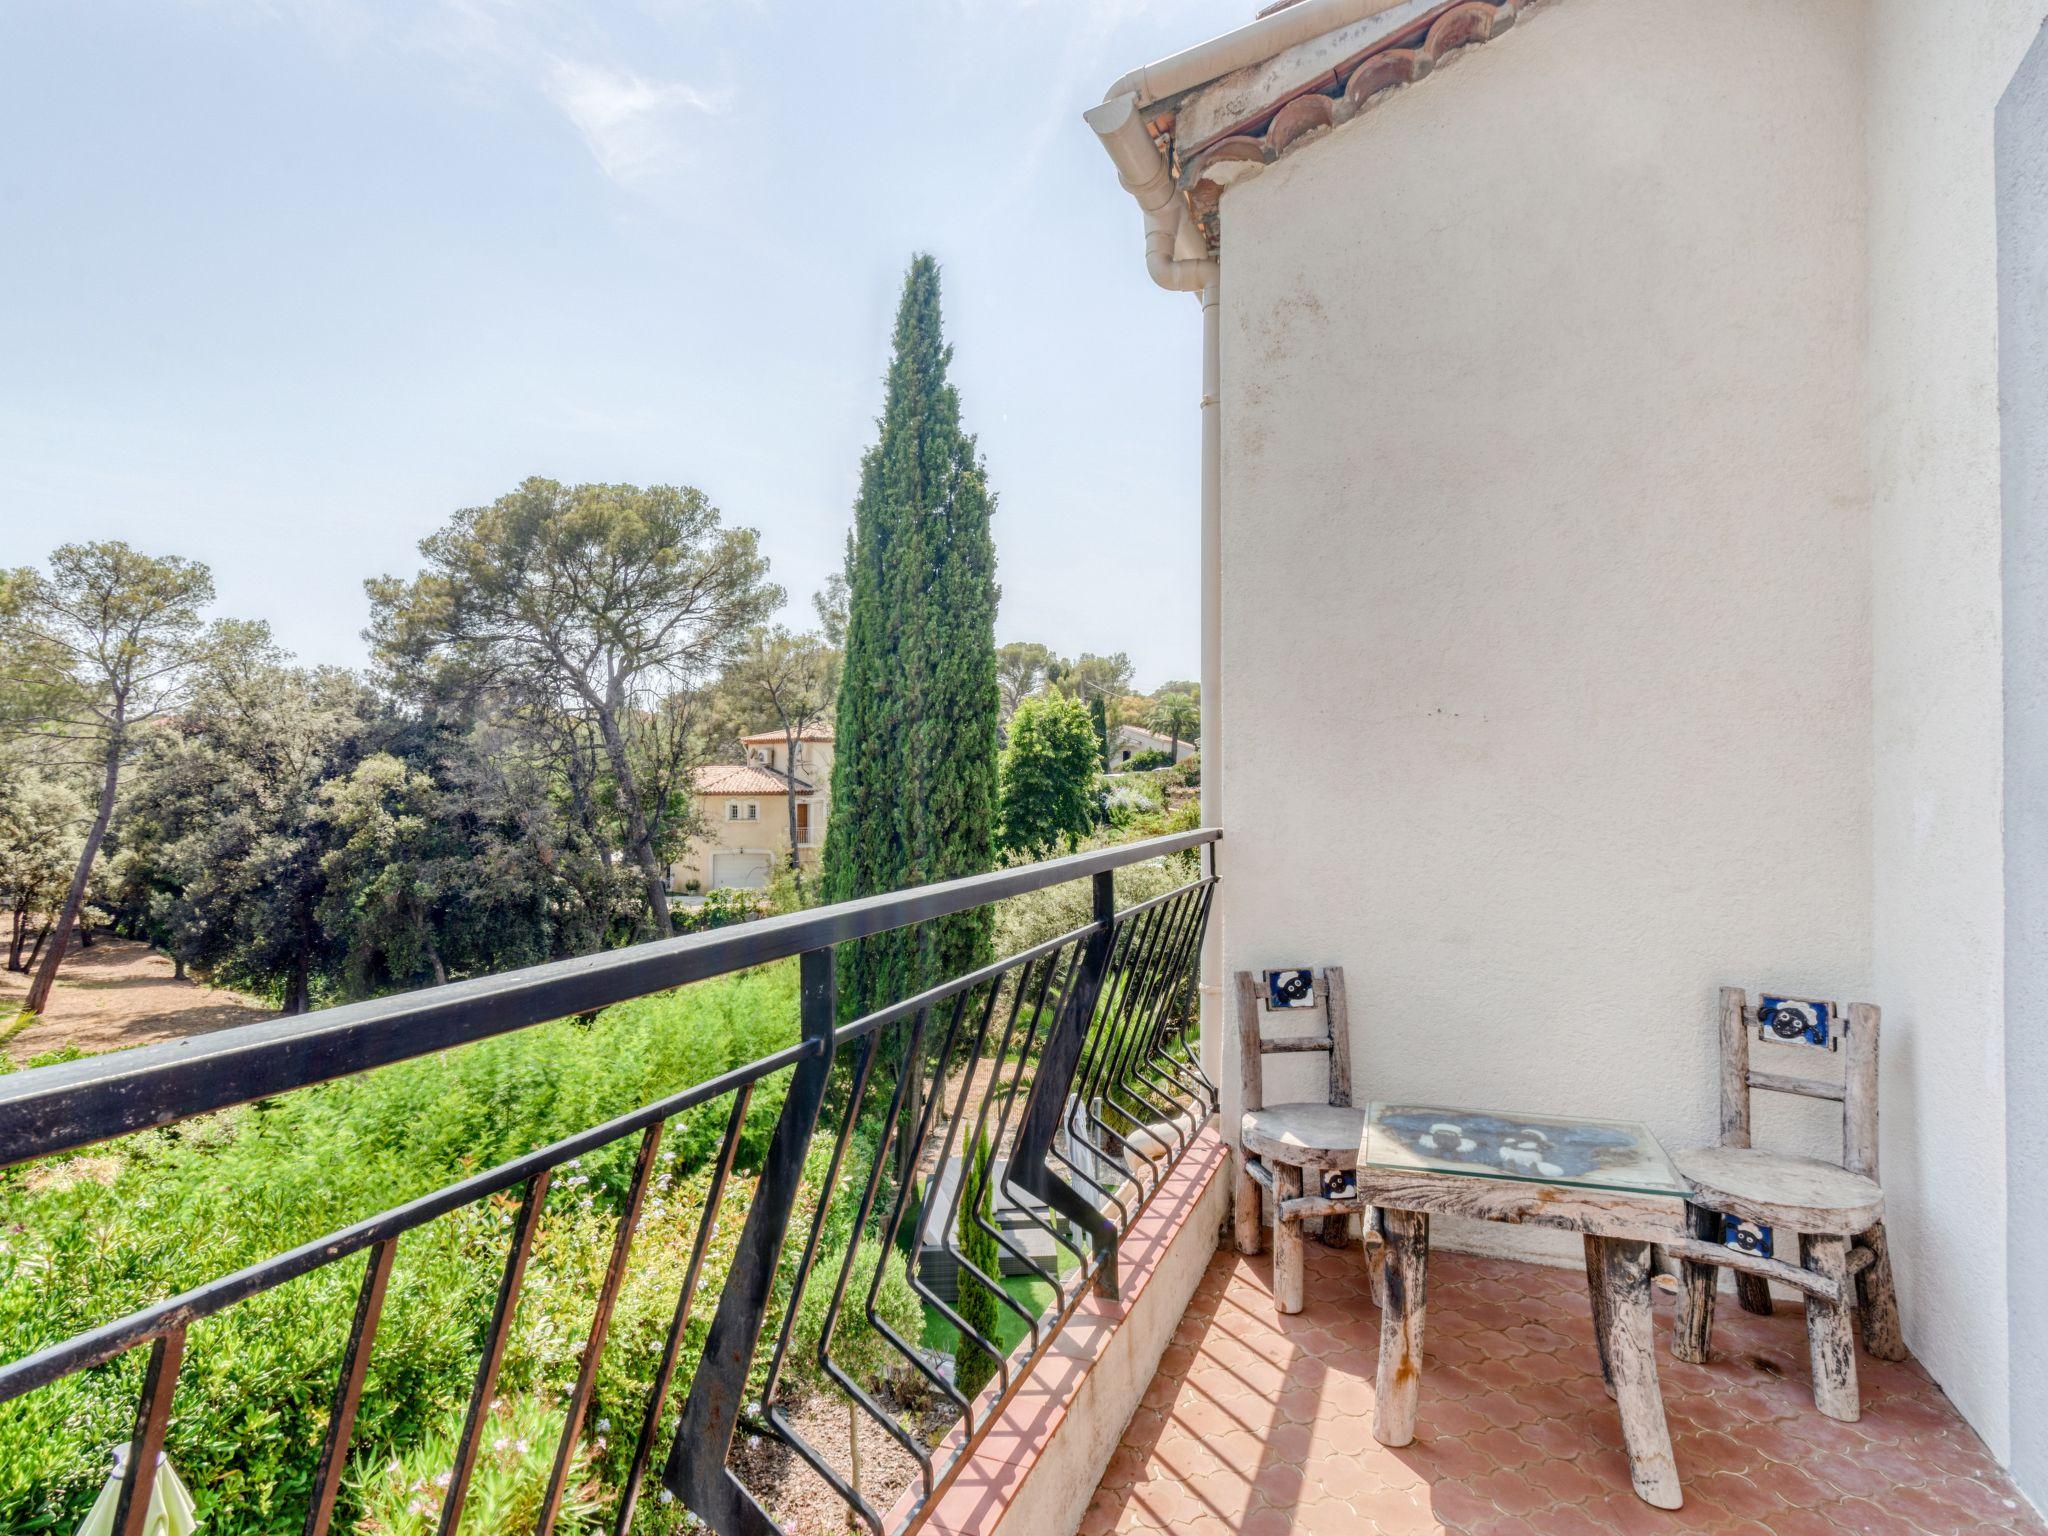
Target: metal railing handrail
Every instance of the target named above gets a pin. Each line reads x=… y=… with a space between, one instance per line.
x=60 y=1108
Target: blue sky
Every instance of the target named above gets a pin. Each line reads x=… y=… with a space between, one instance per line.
x=287 y=281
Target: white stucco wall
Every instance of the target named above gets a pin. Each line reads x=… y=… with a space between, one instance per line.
x=2022 y=147
x=1937 y=69
x=1546 y=518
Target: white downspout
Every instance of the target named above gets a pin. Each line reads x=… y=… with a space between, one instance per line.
x=1145 y=175
x=1214 y=1008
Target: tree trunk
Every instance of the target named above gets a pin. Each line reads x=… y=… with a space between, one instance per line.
x=177 y=967
x=36 y=948
x=18 y=938
x=74 y=898
x=796 y=858
x=636 y=823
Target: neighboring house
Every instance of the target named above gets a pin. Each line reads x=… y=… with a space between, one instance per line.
x=745 y=810
x=1625 y=439
x=1127 y=741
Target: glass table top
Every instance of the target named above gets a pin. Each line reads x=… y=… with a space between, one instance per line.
x=1619 y=1155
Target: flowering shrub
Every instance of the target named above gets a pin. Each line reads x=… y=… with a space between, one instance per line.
x=514 y=1457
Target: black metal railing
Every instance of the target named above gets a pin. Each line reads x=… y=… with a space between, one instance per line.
x=1072 y=1057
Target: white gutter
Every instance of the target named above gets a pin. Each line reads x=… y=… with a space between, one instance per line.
x=1177 y=258
x=1255 y=43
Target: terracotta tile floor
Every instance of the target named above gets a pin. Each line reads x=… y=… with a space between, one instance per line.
x=1262 y=1424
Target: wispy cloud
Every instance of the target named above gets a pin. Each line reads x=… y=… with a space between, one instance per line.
x=632 y=125
x=635 y=126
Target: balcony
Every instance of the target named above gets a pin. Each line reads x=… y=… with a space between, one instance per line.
x=1139 y=1376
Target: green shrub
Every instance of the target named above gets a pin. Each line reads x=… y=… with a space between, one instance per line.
x=857 y=1347
x=515 y=1455
x=1141 y=762
x=722 y=906
x=85 y=1240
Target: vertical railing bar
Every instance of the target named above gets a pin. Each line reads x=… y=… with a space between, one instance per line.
x=152 y=1418
x=903 y=1437
x=1144 y=934
x=1183 y=965
x=698 y=1469
x=1050 y=1277
x=1045 y=1110
x=1075 y=1168
x=931 y=1105
x=1114 y=1070
x=494 y=1351
x=1099 y=1065
x=600 y=1326
x=665 y=1369
x=1128 y=934
x=896 y=1214
x=1157 y=990
x=777 y=1420
x=1137 y=994
x=348 y=1389
x=951 y=1224
x=1190 y=969
x=856 y=1091
x=1157 y=994
x=1187 y=1057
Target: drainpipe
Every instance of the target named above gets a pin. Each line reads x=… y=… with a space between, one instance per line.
x=1214 y=1014
x=1176 y=257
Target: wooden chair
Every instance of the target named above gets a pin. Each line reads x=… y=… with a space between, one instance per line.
x=1294 y=1151
x=1749 y=1205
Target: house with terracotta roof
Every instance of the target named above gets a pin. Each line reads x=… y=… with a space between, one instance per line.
x=755 y=811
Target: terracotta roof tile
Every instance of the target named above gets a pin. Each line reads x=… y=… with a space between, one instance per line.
x=744 y=779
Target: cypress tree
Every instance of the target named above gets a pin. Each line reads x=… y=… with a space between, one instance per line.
x=973 y=1368
x=914 y=778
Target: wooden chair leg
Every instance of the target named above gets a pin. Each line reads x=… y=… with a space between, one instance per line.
x=1830 y=1343
x=1596 y=1294
x=1877 y=1303
x=1250 y=1227
x=1754 y=1293
x=1288 y=1257
x=1692 y=1332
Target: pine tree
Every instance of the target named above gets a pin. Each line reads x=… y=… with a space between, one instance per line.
x=914 y=777
x=1047 y=777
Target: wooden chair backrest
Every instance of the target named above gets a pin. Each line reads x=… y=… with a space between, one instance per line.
x=1856 y=1093
x=1253 y=1046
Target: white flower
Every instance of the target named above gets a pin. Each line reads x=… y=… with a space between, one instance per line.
x=667 y=1497
x=603 y=1425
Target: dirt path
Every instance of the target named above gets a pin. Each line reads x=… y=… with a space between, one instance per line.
x=117 y=994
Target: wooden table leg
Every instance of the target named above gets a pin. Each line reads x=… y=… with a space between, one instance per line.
x=1623 y=1306
x=1405 y=1274
x=1830 y=1344
x=1596 y=1294
x=1288 y=1258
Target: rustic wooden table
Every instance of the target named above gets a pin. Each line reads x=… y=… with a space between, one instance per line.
x=1607 y=1180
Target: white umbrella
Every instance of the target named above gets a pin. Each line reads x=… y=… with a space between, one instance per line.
x=170 y=1504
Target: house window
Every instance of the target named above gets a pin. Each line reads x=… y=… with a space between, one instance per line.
x=732 y=810
x=753 y=811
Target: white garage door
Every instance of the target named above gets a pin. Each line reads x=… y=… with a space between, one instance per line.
x=740 y=871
